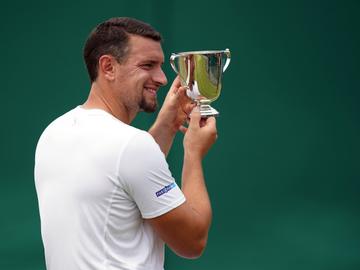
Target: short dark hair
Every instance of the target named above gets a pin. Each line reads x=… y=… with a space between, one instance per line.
x=112 y=37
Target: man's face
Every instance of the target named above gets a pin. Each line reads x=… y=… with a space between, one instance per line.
x=140 y=76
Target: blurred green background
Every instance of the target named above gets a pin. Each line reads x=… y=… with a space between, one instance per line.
x=284 y=175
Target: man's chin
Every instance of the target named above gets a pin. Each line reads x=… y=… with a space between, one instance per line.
x=148 y=108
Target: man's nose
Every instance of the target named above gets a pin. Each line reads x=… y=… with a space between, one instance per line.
x=160 y=77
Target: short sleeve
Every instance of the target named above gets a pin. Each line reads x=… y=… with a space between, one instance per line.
x=145 y=176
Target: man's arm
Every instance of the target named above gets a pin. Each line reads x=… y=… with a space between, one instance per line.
x=174 y=112
x=185 y=228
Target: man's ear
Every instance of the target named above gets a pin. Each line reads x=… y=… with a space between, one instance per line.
x=107 y=67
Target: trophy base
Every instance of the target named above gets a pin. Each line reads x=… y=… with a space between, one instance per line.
x=207 y=111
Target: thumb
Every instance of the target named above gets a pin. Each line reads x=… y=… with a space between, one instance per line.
x=175 y=85
x=211 y=122
x=179 y=93
x=195 y=118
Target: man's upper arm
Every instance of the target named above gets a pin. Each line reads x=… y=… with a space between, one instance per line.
x=145 y=176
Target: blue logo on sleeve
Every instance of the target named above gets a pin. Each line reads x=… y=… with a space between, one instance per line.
x=165 y=189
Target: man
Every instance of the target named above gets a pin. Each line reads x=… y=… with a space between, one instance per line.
x=107 y=199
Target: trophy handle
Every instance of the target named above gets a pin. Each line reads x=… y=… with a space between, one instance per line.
x=172 y=62
x=228 y=58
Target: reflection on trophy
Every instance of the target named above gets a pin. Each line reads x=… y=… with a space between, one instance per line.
x=200 y=72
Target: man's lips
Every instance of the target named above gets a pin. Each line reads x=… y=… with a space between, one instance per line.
x=151 y=90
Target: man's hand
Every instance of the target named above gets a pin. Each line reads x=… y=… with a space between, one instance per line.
x=200 y=135
x=173 y=114
x=177 y=106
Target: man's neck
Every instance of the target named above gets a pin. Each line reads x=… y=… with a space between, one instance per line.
x=100 y=99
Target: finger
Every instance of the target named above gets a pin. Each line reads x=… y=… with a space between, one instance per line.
x=173 y=93
x=210 y=122
x=175 y=85
x=177 y=92
x=189 y=107
x=186 y=110
x=202 y=122
x=210 y=125
x=183 y=129
x=181 y=94
x=182 y=91
x=195 y=118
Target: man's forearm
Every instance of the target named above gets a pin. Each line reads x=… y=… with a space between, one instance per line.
x=194 y=189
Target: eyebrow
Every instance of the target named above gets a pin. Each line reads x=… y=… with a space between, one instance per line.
x=152 y=62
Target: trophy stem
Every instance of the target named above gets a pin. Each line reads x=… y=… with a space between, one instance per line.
x=206 y=110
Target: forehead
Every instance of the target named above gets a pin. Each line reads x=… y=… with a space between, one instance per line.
x=142 y=48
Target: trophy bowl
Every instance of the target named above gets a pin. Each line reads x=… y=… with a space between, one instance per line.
x=200 y=72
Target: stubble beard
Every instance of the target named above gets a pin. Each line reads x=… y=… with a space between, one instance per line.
x=148 y=107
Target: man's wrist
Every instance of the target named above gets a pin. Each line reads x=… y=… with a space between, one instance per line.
x=192 y=155
x=165 y=126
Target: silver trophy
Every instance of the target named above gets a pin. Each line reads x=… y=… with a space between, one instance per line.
x=200 y=72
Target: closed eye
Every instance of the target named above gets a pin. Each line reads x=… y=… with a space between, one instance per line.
x=148 y=65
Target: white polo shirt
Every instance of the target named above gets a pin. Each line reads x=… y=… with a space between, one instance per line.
x=97 y=181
